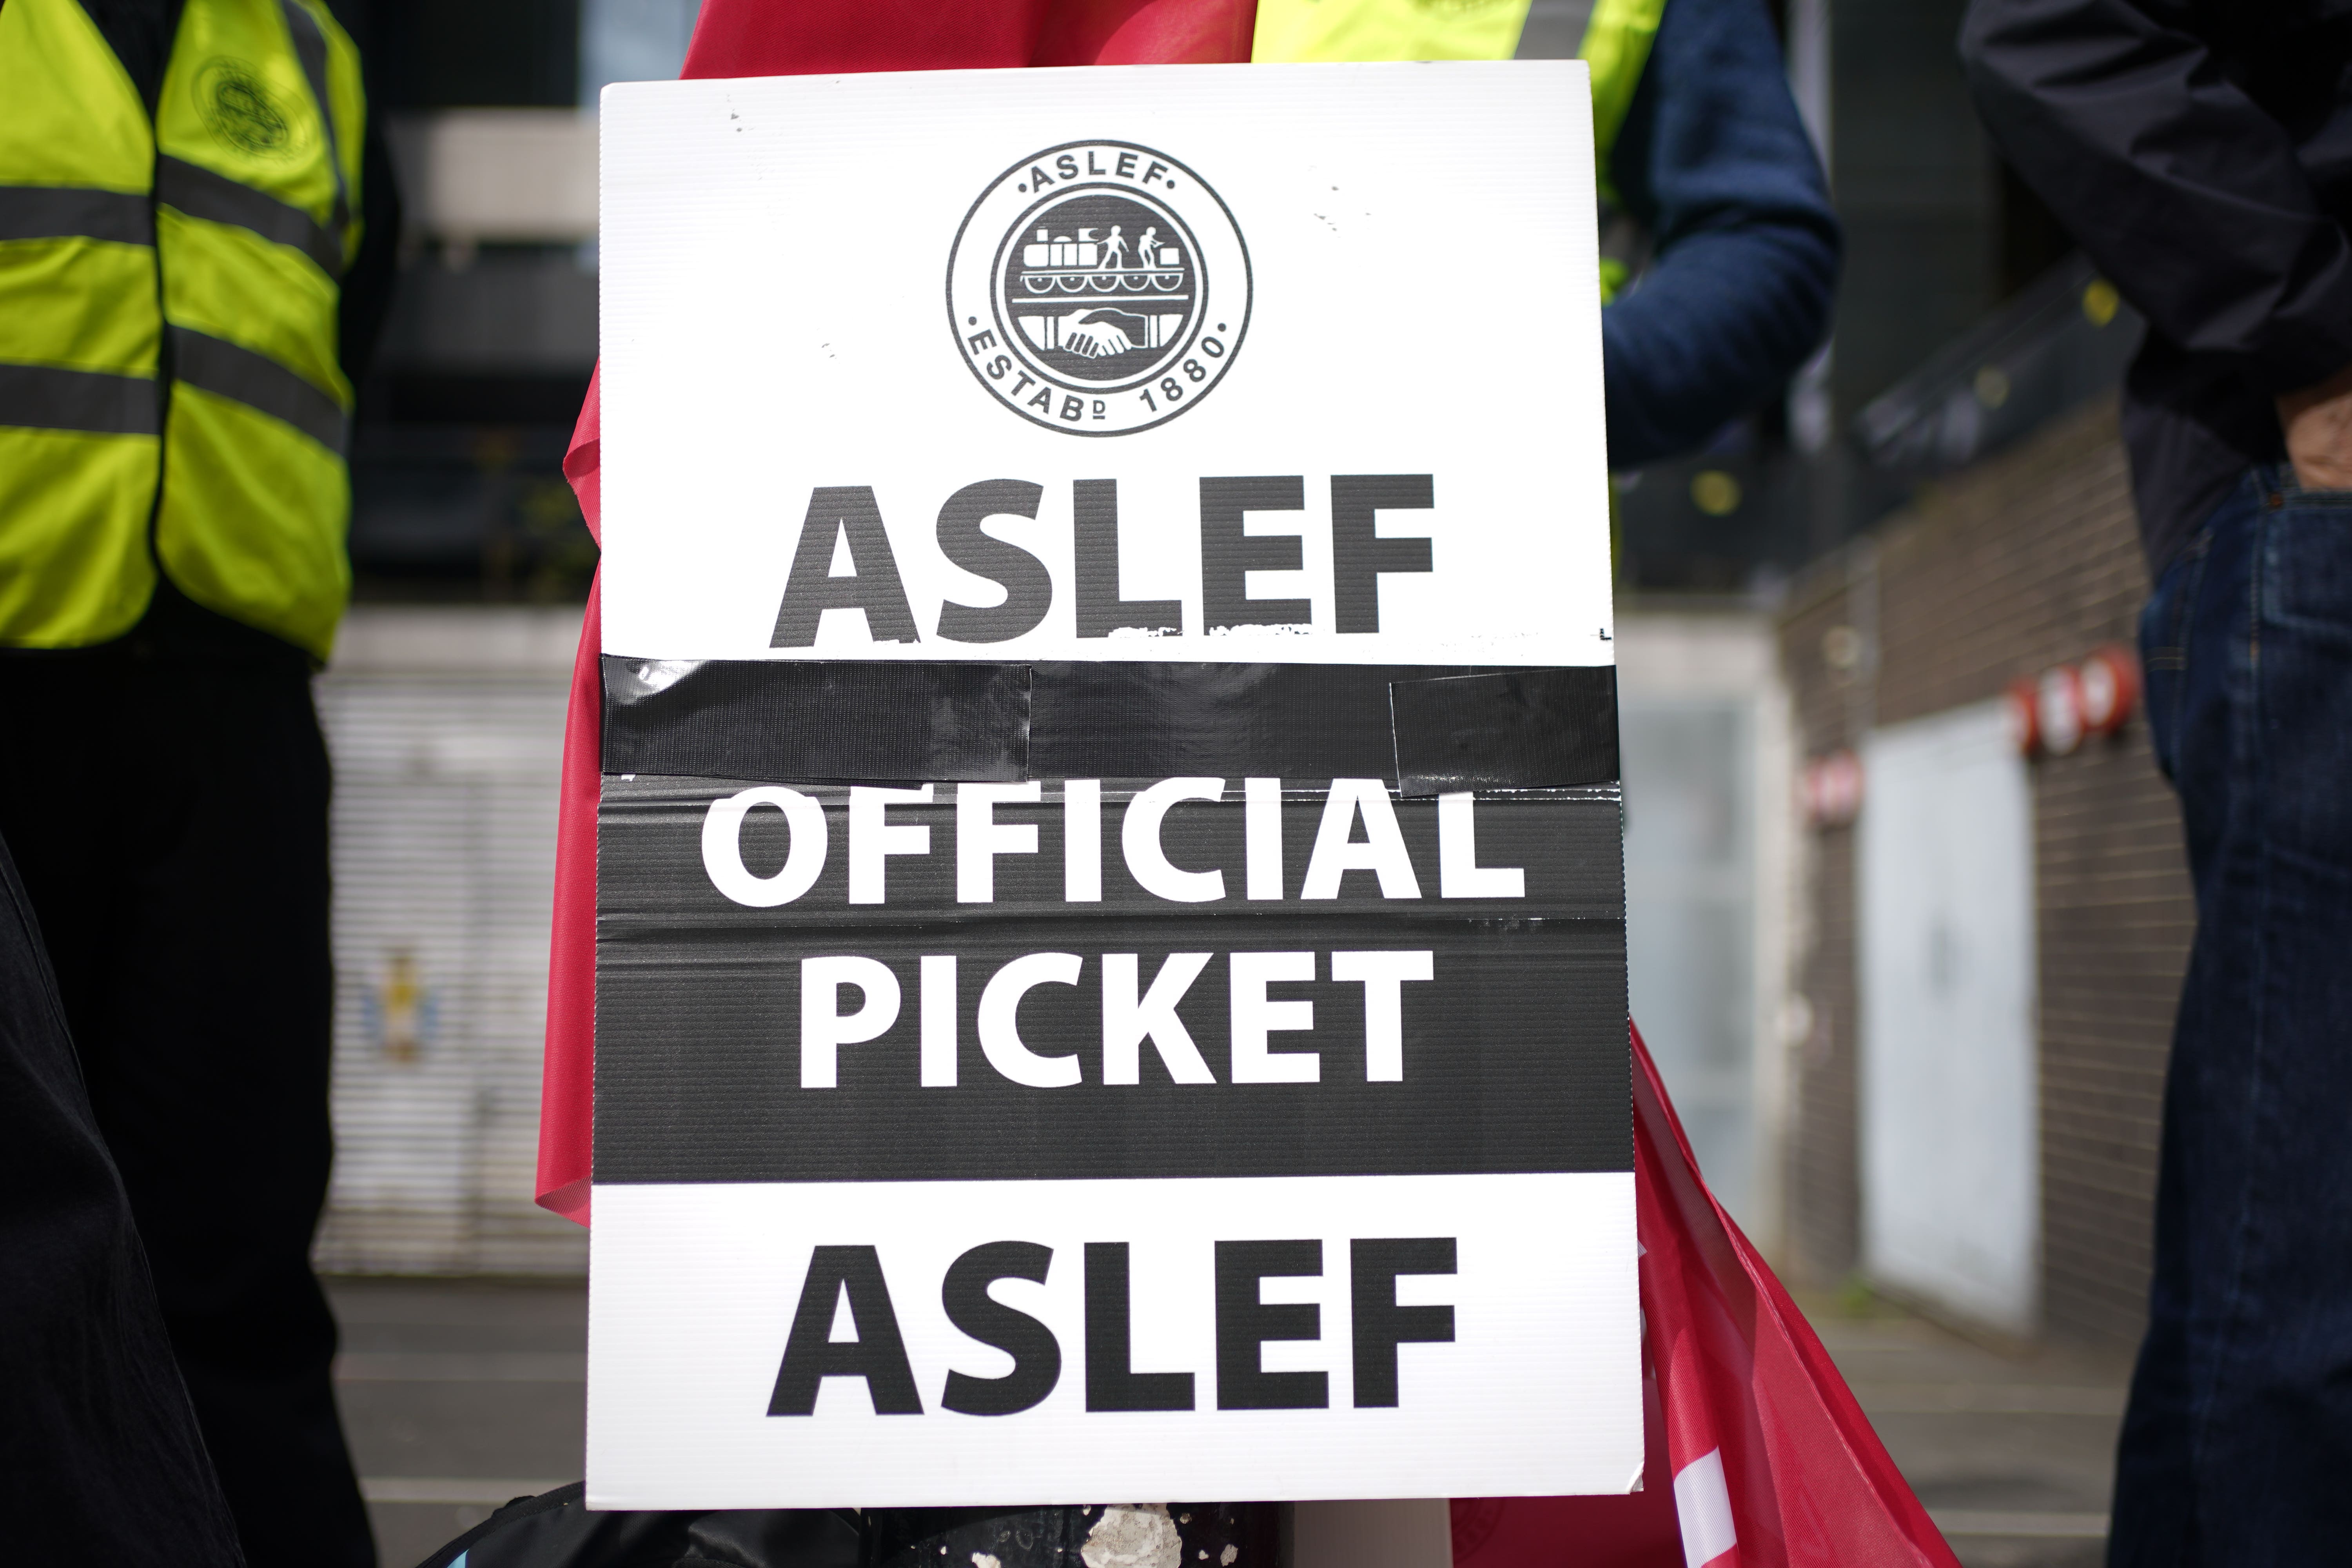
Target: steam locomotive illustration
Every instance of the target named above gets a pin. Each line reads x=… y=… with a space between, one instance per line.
x=1103 y=263
x=1100 y=283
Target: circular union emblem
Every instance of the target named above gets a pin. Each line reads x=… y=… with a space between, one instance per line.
x=1099 y=288
x=241 y=110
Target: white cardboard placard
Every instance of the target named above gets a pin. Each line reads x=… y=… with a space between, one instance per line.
x=821 y=297
x=1420 y=290
x=1525 y=1402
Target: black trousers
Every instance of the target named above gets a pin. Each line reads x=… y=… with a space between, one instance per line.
x=165 y=797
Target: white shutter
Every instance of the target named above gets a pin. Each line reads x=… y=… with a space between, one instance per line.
x=445 y=728
x=1951 y=1140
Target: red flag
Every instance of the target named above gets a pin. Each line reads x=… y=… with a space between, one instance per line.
x=567 y=1076
x=796 y=38
x=1758 y=1456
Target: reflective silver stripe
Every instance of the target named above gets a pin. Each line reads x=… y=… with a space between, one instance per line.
x=53 y=212
x=1554 y=30
x=200 y=192
x=217 y=365
x=310 y=47
x=47 y=398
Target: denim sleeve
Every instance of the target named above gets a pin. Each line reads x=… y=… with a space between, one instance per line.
x=1713 y=162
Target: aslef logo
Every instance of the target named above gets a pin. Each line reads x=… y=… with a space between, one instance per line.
x=1098 y=287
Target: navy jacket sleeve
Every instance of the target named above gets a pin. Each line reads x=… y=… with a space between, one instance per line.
x=374 y=273
x=1713 y=162
x=2198 y=205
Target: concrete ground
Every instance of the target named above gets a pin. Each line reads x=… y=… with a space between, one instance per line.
x=2012 y=1449
x=461 y=1395
x=457 y=1396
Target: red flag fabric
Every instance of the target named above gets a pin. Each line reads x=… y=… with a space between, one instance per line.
x=567 y=1077
x=1758 y=1456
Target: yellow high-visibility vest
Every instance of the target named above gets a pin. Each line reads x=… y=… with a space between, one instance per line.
x=1614 y=45
x=171 y=394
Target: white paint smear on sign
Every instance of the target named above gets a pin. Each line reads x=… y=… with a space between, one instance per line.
x=1420 y=294
x=694 y=1289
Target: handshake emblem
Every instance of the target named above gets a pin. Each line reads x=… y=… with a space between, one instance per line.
x=1098 y=335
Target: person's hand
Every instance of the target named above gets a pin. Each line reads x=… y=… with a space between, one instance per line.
x=2319 y=424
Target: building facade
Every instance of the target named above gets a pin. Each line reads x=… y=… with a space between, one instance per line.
x=1987 y=955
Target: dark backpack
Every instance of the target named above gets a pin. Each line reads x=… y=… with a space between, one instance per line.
x=557 y=1531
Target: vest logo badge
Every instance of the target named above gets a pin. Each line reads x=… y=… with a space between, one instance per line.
x=1099 y=288
x=241 y=110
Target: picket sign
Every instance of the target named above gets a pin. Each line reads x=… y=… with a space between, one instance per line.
x=1110 y=970
x=1739 y=1388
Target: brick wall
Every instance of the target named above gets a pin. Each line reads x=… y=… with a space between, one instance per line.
x=2028 y=561
x=1824 y=1217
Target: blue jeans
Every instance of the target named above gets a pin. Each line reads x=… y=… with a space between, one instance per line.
x=2237 y=1445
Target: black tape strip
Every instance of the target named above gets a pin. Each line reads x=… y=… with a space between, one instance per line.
x=1525 y=730
x=1566 y=845
x=1430 y=727
x=1512 y=1053
x=1219 y=720
x=817 y=720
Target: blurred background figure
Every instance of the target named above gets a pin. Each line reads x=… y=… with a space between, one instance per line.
x=1720 y=248
x=194 y=247
x=2203 y=157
